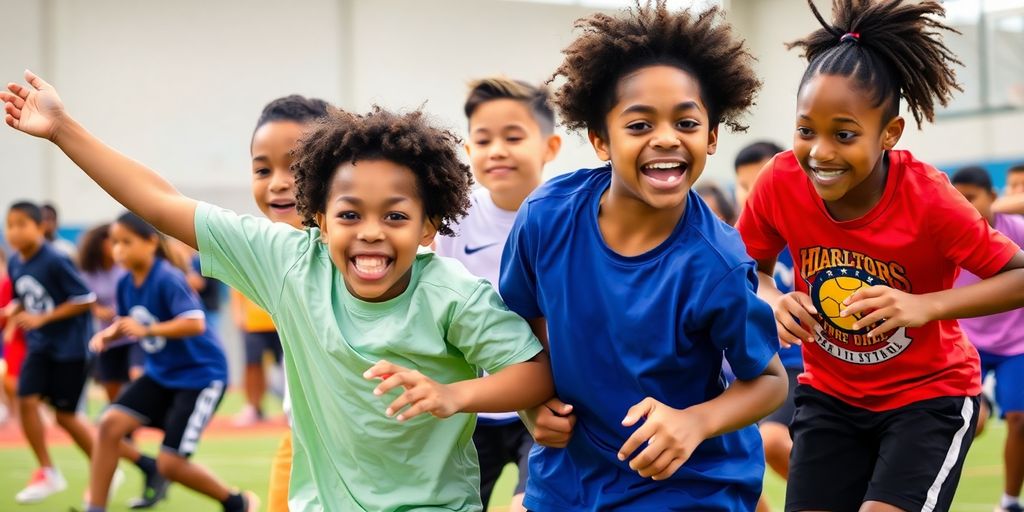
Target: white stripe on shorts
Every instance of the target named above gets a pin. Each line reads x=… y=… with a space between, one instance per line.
x=967 y=413
x=205 y=404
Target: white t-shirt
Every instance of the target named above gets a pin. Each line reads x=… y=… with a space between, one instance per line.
x=478 y=243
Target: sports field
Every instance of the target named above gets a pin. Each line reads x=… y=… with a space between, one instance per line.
x=242 y=457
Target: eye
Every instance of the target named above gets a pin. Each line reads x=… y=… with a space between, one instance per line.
x=396 y=217
x=846 y=136
x=638 y=126
x=687 y=124
x=513 y=139
x=262 y=172
x=804 y=132
x=482 y=142
x=348 y=215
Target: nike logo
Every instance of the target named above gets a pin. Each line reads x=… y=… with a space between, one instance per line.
x=471 y=250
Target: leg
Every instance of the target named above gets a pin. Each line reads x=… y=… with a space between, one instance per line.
x=984 y=411
x=255 y=385
x=11 y=391
x=255 y=378
x=777 y=445
x=280 y=474
x=177 y=468
x=1013 y=453
x=187 y=417
x=77 y=429
x=114 y=425
x=1010 y=397
x=32 y=427
x=878 y=506
x=519 y=448
x=66 y=385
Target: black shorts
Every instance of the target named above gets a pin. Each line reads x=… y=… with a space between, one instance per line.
x=113 y=365
x=181 y=413
x=256 y=343
x=58 y=382
x=498 y=445
x=784 y=414
x=909 y=457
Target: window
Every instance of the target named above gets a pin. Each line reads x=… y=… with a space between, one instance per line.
x=992 y=49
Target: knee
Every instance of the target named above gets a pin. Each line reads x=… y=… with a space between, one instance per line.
x=28 y=403
x=777 y=443
x=66 y=419
x=112 y=428
x=168 y=464
x=1015 y=423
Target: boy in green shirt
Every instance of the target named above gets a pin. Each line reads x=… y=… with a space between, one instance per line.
x=353 y=299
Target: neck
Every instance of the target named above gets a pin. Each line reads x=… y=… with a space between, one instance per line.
x=630 y=226
x=510 y=201
x=862 y=198
x=140 y=272
x=27 y=253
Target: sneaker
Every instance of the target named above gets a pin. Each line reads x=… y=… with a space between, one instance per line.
x=247 y=417
x=45 y=483
x=115 y=483
x=153 y=492
x=1012 y=508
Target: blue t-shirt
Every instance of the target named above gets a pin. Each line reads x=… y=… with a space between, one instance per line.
x=183 y=363
x=790 y=357
x=625 y=328
x=47 y=280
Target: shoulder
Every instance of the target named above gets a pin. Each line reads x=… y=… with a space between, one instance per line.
x=446 y=276
x=917 y=174
x=566 y=188
x=720 y=247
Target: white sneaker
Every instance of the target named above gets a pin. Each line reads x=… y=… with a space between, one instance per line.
x=45 y=483
x=115 y=483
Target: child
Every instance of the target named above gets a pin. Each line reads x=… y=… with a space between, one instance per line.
x=999 y=338
x=1015 y=180
x=642 y=289
x=716 y=201
x=101 y=274
x=511 y=138
x=885 y=410
x=13 y=341
x=259 y=337
x=775 y=427
x=185 y=371
x=348 y=294
x=52 y=306
x=275 y=138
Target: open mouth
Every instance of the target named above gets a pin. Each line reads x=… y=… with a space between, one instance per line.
x=664 y=175
x=371 y=267
x=827 y=176
x=282 y=206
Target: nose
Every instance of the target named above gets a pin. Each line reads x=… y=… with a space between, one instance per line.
x=281 y=179
x=665 y=138
x=821 y=151
x=370 y=231
x=497 y=150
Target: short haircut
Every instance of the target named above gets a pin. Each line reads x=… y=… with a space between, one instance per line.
x=294 y=108
x=443 y=181
x=49 y=208
x=497 y=88
x=973 y=175
x=32 y=210
x=701 y=44
x=1016 y=168
x=756 y=152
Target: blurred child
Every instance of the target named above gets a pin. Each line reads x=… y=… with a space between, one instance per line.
x=717 y=202
x=885 y=412
x=51 y=304
x=640 y=287
x=511 y=138
x=348 y=296
x=1015 y=180
x=259 y=337
x=999 y=338
x=12 y=341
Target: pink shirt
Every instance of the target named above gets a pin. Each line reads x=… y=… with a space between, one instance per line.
x=1001 y=334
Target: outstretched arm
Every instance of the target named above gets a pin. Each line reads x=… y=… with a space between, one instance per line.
x=39 y=111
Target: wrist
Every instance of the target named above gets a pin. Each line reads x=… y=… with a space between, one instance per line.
x=461 y=395
x=63 y=125
x=935 y=307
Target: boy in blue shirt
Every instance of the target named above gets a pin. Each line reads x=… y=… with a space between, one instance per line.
x=52 y=307
x=642 y=289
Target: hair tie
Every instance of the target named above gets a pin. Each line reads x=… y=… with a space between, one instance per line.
x=850 y=36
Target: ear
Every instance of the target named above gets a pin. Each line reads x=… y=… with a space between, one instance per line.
x=321 y=222
x=892 y=132
x=469 y=152
x=429 y=232
x=713 y=140
x=554 y=145
x=600 y=146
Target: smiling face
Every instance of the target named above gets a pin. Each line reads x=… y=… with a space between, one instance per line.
x=658 y=136
x=373 y=224
x=273 y=182
x=840 y=139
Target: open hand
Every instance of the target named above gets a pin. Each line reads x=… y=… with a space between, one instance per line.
x=795 y=319
x=99 y=341
x=889 y=306
x=422 y=394
x=35 y=110
x=553 y=423
x=671 y=436
x=128 y=326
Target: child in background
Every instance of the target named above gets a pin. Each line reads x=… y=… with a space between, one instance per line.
x=259 y=336
x=640 y=287
x=717 y=202
x=12 y=341
x=101 y=275
x=348 y=296
x=51 y=305
x=184 y=378
x=1015 y=180
x=511 y=138
x=999 y=338
x=887 y=404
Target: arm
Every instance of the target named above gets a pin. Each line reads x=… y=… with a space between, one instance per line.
x=894 y=308
x=196 y=281
x=29 y=321
x=552 y=422
x=1009 y=204
x=180 y=327
x=39 y=111
x=794 y=311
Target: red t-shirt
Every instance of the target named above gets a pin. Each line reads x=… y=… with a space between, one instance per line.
x=915 y=239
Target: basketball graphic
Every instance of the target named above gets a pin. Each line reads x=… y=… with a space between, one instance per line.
x=831 y=287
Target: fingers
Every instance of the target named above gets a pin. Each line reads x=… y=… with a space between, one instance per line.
x=558 y=407
x=11 y=121
x=671 y=469
x=11 y=111
x=652 y=460
x=866 y=293
x=805 y=301
x=888 y=325
x=553 y=430
x=640 y=410
x=35 y=81
x=382 y=369
x=415 y=397
x=406 y=379
x=639 y=437
x=871 y=318
x=18 y=90
x=790 y=330
x=420 y=407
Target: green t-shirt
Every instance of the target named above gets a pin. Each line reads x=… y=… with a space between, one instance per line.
x=447 y=324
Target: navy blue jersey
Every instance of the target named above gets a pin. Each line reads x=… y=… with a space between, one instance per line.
x=180 y=363
x=625 y=328
x=47 y=280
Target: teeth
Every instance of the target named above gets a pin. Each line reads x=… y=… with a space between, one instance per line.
x=371 y=264
x=828 y=174
x=663 y=165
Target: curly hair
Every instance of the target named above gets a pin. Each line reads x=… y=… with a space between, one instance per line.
x=892 y=48
x=443 y=181
x=610 y=47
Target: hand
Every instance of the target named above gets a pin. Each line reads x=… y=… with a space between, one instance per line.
x=29 y=322
x=891 y=307
x=671 y=436
x=553 y=423
x=99 y=341
x=128 y=326
x=422 y=394
x=795 y=319
x=9 y=310
x=103 y=313
x=36 y=111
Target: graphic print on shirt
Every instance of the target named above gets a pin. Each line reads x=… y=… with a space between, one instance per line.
x=33 y=295
x=151 y=344
x=834 y=274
